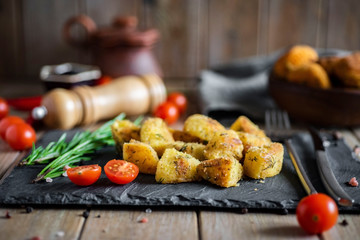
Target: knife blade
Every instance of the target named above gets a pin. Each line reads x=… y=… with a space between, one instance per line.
x=326 y=174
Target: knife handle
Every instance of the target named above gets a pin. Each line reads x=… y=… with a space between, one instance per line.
x=329 y=180
x=305 y=181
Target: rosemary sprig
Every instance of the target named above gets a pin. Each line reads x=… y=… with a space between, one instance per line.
x=67 y=154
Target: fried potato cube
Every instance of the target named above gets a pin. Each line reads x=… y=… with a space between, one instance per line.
x=182 y=136
x=312 y=75
x=221 y=171
x=142 y=155
x=244 y=124
x=250 y=140
x=194 y=149
x=123 y=131
x=263 y=162
x=224 y=144
x=155 y=132
x=202 y=126
x=176 y=167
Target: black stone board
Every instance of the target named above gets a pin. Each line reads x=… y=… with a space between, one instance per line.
x=278 y=193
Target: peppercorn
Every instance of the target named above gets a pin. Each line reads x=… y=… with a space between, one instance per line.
x=29 y=209
x=86 y=214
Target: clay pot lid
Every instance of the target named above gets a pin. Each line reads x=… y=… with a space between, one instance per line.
x=124 y=32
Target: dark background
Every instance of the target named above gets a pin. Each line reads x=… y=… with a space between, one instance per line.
x=195 y=34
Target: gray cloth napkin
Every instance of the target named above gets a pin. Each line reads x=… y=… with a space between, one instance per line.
x=240 y=87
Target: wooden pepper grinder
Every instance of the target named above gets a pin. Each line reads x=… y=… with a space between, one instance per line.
x=133 y=95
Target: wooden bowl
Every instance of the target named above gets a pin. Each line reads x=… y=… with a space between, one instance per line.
x=338 y=107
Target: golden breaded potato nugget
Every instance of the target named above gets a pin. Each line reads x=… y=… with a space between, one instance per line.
x=329 y=63
x=312 y=75
x=123 y=131
x=222 y=172
x=244 y=124
x=263 y=162
x=155 y=132
x=280 y=68
x=142 y=155
x=297 y=56
x=348 y=70
x=202 y=126
x=224 y=144
x=300 y=55
x=177 y=167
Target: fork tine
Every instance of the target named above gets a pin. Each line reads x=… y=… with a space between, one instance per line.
x=277 y=124
x=268 y=125
x=280 y=119
x=286 y=120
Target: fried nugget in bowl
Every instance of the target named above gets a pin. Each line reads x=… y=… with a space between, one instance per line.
x=295 y=58
x=312 y=75
x=347 y=69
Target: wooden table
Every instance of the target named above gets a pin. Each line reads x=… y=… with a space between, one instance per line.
x=125 y=223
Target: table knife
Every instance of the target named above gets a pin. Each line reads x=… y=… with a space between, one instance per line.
x=326 y=174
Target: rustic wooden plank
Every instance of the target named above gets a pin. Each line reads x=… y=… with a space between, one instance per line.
x=7 y=157
x=348 y=229
x=11 y=40
x=179 y=23
x=293 y=22
x=343 y=30
x=42 y=23
x=233 y=30
x=103 y=12
x=227 y=225
x=46 y=224
x=125 y=224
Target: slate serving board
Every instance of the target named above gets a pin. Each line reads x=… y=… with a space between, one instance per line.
x=283 y=191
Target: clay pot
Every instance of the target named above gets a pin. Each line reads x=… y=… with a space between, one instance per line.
x=118 y=50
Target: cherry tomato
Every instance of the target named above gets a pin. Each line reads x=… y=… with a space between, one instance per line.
x=20 y=136
x=4 y=108
x=179 y=100
x=6 y=122
x=317 y=213
x=84 y=175
x=120 y=171
x=103 y=80
x=167 y=111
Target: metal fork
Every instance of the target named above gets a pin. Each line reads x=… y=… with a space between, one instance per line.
x=277 y=125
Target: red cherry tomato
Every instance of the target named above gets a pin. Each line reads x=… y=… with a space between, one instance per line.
x=4 y=108
x=20 y=136
x=167 y=111
x=6 y=122
x=317 y=213
x=103 y=80
x=179 y=100
x=84 y=175
x=120 y=171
